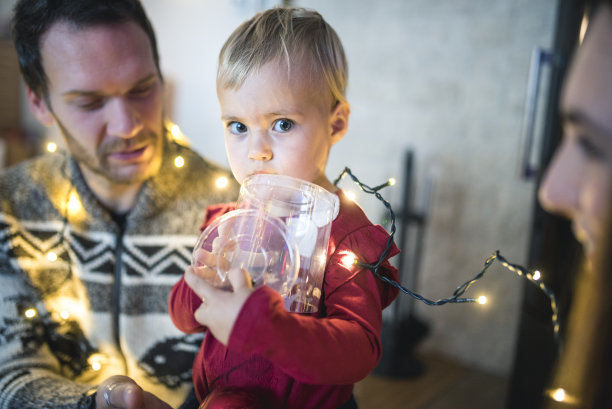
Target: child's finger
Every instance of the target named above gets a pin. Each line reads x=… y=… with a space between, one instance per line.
x=205 y=272
x=240 y=279
x=198 y=284
x=205 y=258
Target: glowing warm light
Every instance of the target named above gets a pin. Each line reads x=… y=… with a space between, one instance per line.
x=558 y=394
x=51 y=256
x=392 y=182
x=350 y=195
x=74 y=204
x=482 y=299
x=222 y=182
x=537 y=275
x=96 y=361
x=179 y=161
x=64 y=314
x=30 y=313
x=175 y=131
x=347 y=259
x=176 y=134
x=51 y=147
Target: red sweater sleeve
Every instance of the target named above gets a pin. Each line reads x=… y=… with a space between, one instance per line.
x=183 y=301
x=343 y=346
x=182 y=304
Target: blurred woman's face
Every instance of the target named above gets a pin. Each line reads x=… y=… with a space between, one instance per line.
x=578 y=183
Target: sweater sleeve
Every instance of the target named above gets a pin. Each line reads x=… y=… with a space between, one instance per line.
x=30 y=375
x=182 y=303
x=343 y=346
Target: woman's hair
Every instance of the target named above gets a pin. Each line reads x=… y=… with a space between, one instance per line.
x=289 y=35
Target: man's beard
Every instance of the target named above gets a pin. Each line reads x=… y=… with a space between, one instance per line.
x=98 y=165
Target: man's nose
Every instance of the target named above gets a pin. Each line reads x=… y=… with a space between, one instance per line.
x=123 y=119
x=259 y=146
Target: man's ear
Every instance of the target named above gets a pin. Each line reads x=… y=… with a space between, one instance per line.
x=339 y=121
x=39 y=108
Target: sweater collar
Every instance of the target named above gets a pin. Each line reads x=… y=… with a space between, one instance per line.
x=155 y=193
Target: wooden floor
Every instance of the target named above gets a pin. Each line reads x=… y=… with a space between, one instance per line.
x=444 y=384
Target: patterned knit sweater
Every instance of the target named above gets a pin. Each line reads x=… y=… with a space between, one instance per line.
x=83 y=294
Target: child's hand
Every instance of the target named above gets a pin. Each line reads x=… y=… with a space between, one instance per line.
x=220 y=309
x=207 y=266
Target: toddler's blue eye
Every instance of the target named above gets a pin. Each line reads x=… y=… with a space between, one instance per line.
x=237 y=127
x=283 y=125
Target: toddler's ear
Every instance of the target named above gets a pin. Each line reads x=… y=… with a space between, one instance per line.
x=339 y=121
x=39 y=108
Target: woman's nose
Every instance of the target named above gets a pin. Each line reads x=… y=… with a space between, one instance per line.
x=560 y=188
x=259 y=147
x=123 y=119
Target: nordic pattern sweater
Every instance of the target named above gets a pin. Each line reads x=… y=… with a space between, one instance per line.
x=83 y=294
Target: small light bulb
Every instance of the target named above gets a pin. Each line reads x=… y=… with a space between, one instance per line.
x=96 y=361
x=179 y=161
x=30 y=313
x=64 y=314
x=175 y=131
x=558 y=394
x=482 y=300
x=537 y=275
x=74 y=204
x=51 y=256
x=222 y=182
x=350 y=195
x=347 y=259
x=51 y=147
x=392 y=181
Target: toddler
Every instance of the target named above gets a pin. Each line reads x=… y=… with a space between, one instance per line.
x=281 y=86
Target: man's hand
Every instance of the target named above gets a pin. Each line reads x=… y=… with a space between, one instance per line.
x=219 y=309
x=121 y=392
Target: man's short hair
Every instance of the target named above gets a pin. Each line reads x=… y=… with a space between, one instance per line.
x=33 y=18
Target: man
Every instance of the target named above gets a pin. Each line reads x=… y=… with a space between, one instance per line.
x=578 y=184
x=92 y=240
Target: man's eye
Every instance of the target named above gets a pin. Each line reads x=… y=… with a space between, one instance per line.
x=141 y=91
x=89 y=104
x=283 y=125
x=237 y=128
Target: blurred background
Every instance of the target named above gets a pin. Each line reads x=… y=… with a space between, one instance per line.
x=456 y=100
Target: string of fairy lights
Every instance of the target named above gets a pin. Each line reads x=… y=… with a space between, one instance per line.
x=457 y=295
x=534 y=277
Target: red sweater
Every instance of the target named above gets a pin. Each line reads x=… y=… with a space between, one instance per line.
x=301 y=360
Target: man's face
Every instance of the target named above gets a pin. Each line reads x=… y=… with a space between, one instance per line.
x=578 y=183
x=106 y=95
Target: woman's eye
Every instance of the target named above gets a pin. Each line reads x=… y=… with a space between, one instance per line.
x=283 y=125
x=590 y=149
x=237 y=128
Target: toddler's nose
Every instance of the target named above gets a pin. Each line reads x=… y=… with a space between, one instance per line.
x=259 y=148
